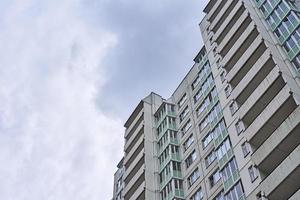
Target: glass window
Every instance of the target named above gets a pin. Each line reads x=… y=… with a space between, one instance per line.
x=198 y=195
x=253 y=173
x=190 y=159
x=245 y=148
x=188 y=142
x=214 y=178
x=210 y=158
x=193 y=177
x=182 y=100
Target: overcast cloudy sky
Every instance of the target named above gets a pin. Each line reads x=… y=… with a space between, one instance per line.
x=71 y=71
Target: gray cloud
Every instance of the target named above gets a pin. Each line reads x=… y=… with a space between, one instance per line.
x=70 y=73
x=157 y=43
x=54 y=142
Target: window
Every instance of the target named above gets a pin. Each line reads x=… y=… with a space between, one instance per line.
x=207 y=139
x=214 y=178
x=229 y=170
x=183 y=114
x=198 y=95
x=253 y=173
x=204 y=105
x=235 y=193
x=220 y=196
x=188 y=142
x=182 y=100
x=119 y=183
x=204 y=123
x=219 y=129
x=193 y=177
x=186 y=127
x=239 y=126
x=222 y=76
x=190 y=159
x=223 y=148
x=233 y=107
x=198 y=195
x=210 y=158
x=227 y=90
x=246 y=148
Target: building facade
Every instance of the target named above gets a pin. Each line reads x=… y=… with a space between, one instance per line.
x=231 y=130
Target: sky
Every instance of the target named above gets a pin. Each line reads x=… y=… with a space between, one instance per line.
x=71 y=72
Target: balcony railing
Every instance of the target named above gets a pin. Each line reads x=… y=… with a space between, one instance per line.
x=294 y=51
x=168 y=142
x=178 y=193
x=167 y=179
x=259 y=3
x=216 y=120
x=230 y=182
x=269 y=10
x=225 y=158
x=173 y=156
x=286 y=34
x=167 y=113
x=220 y=138
x=167 y=127
x=275 y=24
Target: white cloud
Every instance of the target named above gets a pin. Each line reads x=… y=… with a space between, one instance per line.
x=55 y=144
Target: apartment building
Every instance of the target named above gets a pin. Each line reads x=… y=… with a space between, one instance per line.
x=231 y=129
x=118 y=182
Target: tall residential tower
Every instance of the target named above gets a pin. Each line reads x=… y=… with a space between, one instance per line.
x=231 y=130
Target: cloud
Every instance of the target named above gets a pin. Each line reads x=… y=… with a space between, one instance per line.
x=157 y=42
x=55 y=143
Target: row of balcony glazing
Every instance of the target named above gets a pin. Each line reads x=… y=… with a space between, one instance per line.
x=209 y=110
x=170 y=176
x=283 y=16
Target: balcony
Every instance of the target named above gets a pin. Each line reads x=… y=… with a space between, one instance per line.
x=229 y=21
x=216 y=120
x=283 y=182
x=218 y=140
x=270 y=119
x=241 y=48
x=259 y=2
x=165 y=114
x=204 y=95
x=164 y=130
x=178 y=194
x=294 y=51
x=290 y=29
x=251 y=61
x=208 y=108
x=225 y=158
x=237 y=31
x=173 y=141
x=270 y=9
x=232 y=27
x=279 y=145
x=231 y=181
x=137 y=192
x=139 y=132
x=137 y=175
x=223 y=14
x=250 y=81
x=173 y=156
x=136 y=164
x=134 y=125
x=295 y=196
x=282 y=15
x=167 y=179
x=215 y=9
x=131 y=156
x=261 y=96
x=134 y=189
